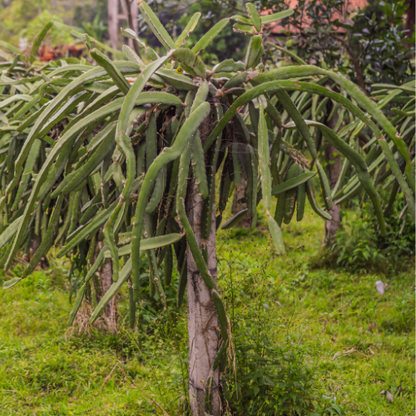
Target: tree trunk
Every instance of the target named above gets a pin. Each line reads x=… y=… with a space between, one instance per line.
x=202 y=317
x=333 y=158
x=334 y=170
x=357 y=66
x=101 y=285
x=113 y=22
x=43 y=262
x=130 y=10
x=239 y=194
x=410 y=22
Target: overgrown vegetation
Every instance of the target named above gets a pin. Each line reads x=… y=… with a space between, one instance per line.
x=370 y=45
x=355 y=342
x=96 y=161
x=25 y=18
x=359 y=248
x=271 y=378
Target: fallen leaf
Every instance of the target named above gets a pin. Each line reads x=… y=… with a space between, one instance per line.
x=389 y=396
x=380 y=287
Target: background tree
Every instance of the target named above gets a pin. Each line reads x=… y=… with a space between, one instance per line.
x=367 y=45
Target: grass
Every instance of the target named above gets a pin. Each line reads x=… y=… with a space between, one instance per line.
x=358 y=342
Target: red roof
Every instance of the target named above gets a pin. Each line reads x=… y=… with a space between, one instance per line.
x=349 y=6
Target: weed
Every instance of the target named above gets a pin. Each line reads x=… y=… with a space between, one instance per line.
x=358 y=246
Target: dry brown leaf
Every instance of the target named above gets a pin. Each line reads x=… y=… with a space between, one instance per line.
x=389 y=396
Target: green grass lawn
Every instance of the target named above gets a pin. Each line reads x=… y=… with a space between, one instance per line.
x=357 y=342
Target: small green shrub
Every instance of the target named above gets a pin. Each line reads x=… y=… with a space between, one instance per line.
x=56 y=37
x=271 y=379
x=358 y=245
x=270 y=373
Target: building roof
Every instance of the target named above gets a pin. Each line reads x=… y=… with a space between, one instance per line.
x=349 y=6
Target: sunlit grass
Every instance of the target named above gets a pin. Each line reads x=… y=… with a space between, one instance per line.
x=360 y=343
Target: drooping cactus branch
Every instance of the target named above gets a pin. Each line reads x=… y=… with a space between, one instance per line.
x=122 y=158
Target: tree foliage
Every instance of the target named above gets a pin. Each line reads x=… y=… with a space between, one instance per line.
x=370 y=43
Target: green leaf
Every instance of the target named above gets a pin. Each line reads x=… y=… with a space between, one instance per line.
x=178 y=81
x=210 y=35
x=134 y=92
x=264 y=159
x=9 y=283
x=200 y=97
x=190 y=62
x=276 y=236
x=111 y=69
x=234 y=219
x=38 y=40
x=189 y=28
x=325 y=186
x=132 y=56
x=30 y=162
x=114 y=288
x=199 y=167
x=229 y=65
x=9 y=47
x=287 y=52
x=156 y=26
x=311 y=197
x=151 y=243
x=77 y=304
x=131 y=34
x=241 y=19
x=47 y=239
x=294 y=114
x=254 y=15
x=292 y=183
x=10 y=231
x=361 y=167
x=56 y=103
x=269 y=18
x=254 y=50
x=291 y=195
x=243 y=28
x=84 y=231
